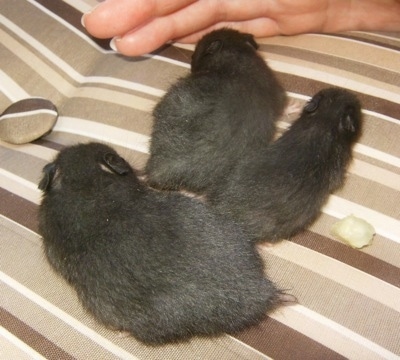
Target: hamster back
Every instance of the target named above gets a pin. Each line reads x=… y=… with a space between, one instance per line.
x=279 y=191
x=227 y=106
x=161 y=266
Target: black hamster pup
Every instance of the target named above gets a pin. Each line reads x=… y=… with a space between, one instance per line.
x=279 y=191
x=208 y=120
x=158 y=265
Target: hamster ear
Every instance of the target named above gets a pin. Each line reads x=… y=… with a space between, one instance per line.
x=250 y=40
x=49 y=171
x=313 y=103
x=116 y=163
x=215 y=46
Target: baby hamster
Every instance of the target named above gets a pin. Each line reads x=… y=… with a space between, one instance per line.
x=158 y=265
x=279 y=191
x=225 y=107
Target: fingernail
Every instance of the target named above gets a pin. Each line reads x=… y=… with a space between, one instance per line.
x=89 y=12
x=83 y=20
x=113 y=45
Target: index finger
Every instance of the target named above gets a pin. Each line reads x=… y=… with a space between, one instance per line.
x=116 y=17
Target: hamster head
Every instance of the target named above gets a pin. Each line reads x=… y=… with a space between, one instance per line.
x=221 y=48
x=79 y=165
x=334 y=111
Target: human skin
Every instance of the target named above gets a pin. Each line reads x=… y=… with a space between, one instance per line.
x=141 y=26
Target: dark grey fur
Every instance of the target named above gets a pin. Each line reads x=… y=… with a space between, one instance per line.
x=158 y=265
x=279 y=190
x=227 y=106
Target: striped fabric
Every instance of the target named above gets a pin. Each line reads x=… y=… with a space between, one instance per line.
x=349 y=300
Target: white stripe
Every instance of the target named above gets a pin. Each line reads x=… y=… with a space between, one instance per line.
x=381 y=116
x=67 y=69
x=168 y=60
x=87 y=39
x=19 y=186
x=375 y=173
x=331 y=334
x=19 y=225
x=80 y=5
x=384 y=225
x=377 y=154
x=375 y=34
x=249 y=348
x=102 y=132
x=70 y=27
x=361 y=41
x=333 y=79
x=341 y=273
x=20 y=345
x=29 y=113
x=68 y=319
x=41 y=152
x=11 y=89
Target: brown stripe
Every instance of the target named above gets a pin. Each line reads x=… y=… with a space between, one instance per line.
x=309 y=87
x=351 y=66
x=19 y=210
x=281 y=342
x=352 y=257
x=31 y=337
x=72 y=16
x=48 y=144
x=385 y=43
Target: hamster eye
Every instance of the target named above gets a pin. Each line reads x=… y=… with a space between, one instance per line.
x=313 y=103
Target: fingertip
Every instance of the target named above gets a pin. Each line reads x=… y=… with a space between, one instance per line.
x=96 y=22
x=114 y=18
x=134 y=45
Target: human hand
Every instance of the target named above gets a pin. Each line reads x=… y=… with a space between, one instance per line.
x=141 y=26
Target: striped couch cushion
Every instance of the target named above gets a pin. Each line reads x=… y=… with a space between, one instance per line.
x=349 y=300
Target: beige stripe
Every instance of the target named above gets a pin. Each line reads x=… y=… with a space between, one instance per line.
x=334 y=77
x=392 y=36
x=114 y=70
x=38 y=151
x=341 y=273
x=335 y=300
x=66 y=88
x=11 y=89
x=104 y=133
x=13 y=348
x=344 y=48
x=386 y=38
x=19 y=186
x=331 y=334
x=375 y=173
x=371 y=195
x=115 y=97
